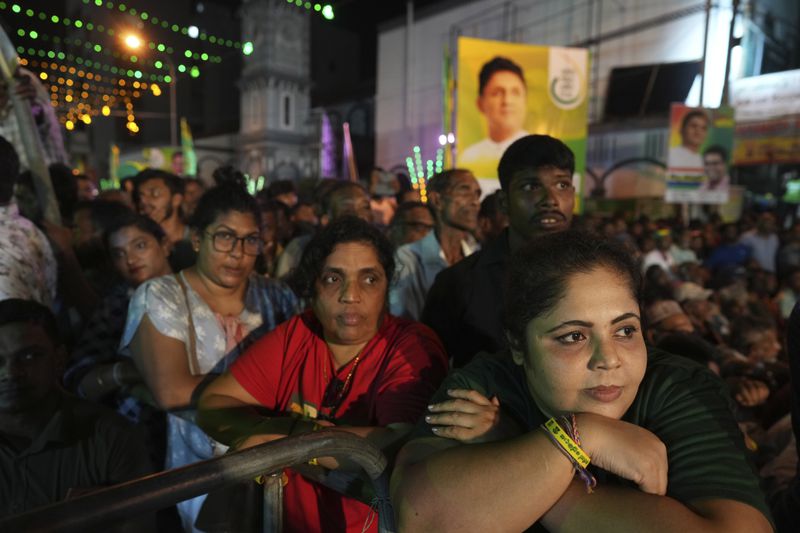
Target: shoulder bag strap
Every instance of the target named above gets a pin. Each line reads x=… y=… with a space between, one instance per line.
x=194 y=365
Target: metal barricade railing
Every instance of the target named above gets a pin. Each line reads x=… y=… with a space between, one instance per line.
x=164 y=489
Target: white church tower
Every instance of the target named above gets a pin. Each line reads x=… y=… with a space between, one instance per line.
x=277 y=133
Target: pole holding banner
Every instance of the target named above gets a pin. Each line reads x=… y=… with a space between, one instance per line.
x=31 y=143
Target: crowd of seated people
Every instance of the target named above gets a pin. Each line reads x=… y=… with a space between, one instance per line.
x=465 y=338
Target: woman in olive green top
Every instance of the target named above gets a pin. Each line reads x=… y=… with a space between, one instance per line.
x=664 y=448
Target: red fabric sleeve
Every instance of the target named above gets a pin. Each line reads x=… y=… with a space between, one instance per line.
x=417 y=366
x=258 y=369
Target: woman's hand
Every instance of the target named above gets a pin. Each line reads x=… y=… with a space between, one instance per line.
x=626 y=450
x=470 y=417
x=751 y=392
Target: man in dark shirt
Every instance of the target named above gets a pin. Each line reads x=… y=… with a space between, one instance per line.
x=464 y=305
x=53 y=446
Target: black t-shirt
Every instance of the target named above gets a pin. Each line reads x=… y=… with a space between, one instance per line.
x=84 y=446
x=681 y=402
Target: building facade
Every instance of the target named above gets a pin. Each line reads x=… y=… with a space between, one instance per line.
x=277 y=132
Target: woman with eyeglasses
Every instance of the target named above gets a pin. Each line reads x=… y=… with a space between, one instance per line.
x=181 y=326
x=344 y=364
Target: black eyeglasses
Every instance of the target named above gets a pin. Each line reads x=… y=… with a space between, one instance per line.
x=225 y=242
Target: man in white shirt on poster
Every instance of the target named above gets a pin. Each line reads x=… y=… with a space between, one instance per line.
x=502 y=99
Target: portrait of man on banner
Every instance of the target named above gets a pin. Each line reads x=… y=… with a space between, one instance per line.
x=698 y=155
x=508 y=90
x=502 y=99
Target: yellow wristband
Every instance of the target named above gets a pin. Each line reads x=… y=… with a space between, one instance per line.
x=313 y=461
x=565 y=441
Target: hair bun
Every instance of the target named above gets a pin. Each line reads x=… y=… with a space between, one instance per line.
x=229 y=176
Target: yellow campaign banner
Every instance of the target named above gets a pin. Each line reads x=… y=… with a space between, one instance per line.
x=508 y=90
x=768 y=141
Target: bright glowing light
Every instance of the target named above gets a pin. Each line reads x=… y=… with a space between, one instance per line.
x=193 y=32
x=155 y=89
x=69 y=125
x=43 y=75
x=327 y=11
x=86 y=119
x=451 y=138
x=106 y=110
x=194 y=72
x=132 y=127
x=132 y=41
x=247 y=48
x=442 y=139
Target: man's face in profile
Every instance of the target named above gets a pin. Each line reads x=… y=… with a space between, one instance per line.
x=714 y=166
x=504 y=103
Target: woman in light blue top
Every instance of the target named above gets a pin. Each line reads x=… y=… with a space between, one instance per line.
x=182 y=327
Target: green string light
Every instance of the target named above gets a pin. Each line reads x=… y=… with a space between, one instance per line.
x=100 y=28
x=97 y=48
x=87 y=63
x=175 y=28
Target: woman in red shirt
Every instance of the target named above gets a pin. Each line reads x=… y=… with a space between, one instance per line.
x=345 y=363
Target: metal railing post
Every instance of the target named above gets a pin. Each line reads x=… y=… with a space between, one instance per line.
x=273 y=503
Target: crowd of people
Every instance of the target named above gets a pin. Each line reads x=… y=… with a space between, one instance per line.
x=468 y=339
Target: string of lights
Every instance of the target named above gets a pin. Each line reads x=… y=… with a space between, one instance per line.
x=417 y=173
x=77 y=23
x=190 y=31
x=80 y=100
x=326 y=10
x=99 y=67
x=98 y=48
x=81 y=87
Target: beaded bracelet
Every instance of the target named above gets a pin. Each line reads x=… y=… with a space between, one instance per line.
x=565 y=437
